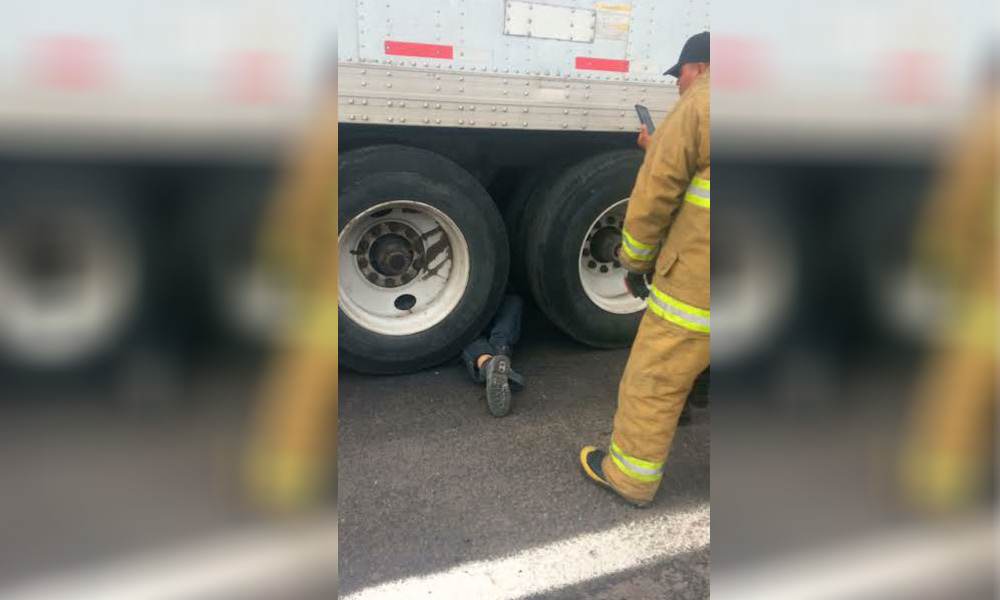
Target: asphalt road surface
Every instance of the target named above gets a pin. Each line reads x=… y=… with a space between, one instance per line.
x=439 y=499
x=100 y=497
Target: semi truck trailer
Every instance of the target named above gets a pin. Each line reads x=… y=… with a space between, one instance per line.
x=487 y=145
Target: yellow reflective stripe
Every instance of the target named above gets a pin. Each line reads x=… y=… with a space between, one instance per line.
x=645 y=464
x=679 y=313
x=698 y=312
x=697 y=201
x=634 y=256
x=699 y=192
x=628 y=472
x=636 y=250
x=676 y=320
x=637 y=244
x=635 y=468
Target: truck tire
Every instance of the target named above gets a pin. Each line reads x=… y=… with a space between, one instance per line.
x=902 y=303
x=71 y=270
x=515 y=211
x=756 y=269
x=242 y=302
x=422 y=259
x=575 y=227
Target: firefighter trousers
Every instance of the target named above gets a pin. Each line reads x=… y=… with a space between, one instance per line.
x=662 y=368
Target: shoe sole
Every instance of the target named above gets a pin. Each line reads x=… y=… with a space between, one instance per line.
x=498 y=387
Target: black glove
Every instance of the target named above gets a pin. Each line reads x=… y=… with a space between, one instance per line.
x=637 y=285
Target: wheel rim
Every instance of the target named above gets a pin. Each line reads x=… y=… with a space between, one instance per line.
x=753 y=284
x=908 y=301
x=68 y=283
x=255 y=304
x=601 y=273
x=403 y=268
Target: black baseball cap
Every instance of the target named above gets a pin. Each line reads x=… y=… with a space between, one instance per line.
x=696 y=49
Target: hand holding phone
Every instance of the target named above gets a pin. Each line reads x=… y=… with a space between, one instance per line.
x=644 y=117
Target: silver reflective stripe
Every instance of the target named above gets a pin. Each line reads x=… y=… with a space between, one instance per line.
x=638 y=470
x=637 y=252
x=699 y=191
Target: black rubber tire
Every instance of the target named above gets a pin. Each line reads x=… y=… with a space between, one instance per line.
x=883 y=226
x=517 y=215
x=374 y=175
x=559 y=220
x=104 y=201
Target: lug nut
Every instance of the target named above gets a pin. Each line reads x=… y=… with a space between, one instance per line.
x=591 y=264
x=617 y=264
x=586 y=251
x=604 y=268
x=363 y=263
x=372 y=277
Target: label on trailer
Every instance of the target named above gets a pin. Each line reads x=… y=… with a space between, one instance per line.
x=623 y=8
x=612 y=22
x=530 y=19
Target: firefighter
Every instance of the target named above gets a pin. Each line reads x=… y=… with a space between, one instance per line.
x=672 y=272
x=292 y=446
x=948 y=448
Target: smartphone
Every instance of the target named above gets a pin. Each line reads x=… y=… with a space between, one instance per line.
x=647 y=120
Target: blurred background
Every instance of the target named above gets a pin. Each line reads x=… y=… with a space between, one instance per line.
x=853 y=275
x=141 y=147
x=855 y=359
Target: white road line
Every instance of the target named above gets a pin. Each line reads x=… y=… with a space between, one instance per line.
x=560 y=564
x=266 y=563
x=932 y=561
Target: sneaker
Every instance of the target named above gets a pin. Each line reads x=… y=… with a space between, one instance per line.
x=592 y=463
x=496 y=372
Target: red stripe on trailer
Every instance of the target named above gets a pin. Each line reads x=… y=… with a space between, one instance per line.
x=601 y=64
x=905 y=79
x=73 y=63
x=254 y=77
x=421 y=50
x=738 y=63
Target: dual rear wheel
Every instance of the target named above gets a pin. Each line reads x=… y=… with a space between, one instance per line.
x=424 y=254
